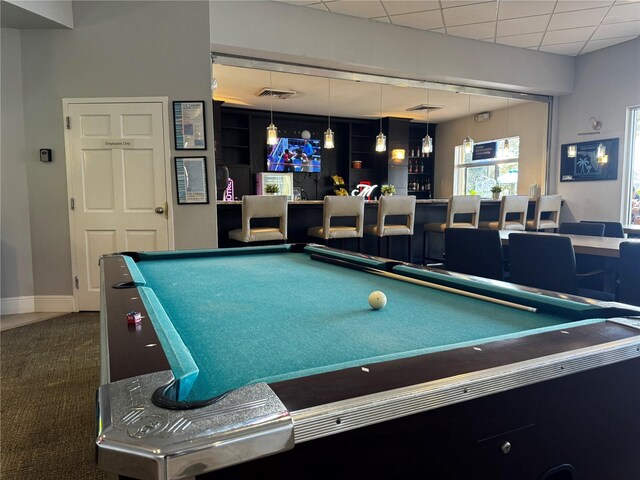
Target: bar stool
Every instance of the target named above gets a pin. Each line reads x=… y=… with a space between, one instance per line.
x=514 y=204
x=262 y=206
x=458 y=204
x=546 y=204
x=394 y=205
x=340 y=207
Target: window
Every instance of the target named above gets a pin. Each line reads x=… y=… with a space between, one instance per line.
x=477 y=177
x=634 y=171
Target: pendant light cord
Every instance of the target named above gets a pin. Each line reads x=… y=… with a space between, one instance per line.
x=469 y=116
x=428 y=107
x=507 y=133
x=271 y=97
x=329 y=103
x=380 y=108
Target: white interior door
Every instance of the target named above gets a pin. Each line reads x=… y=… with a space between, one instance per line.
x=116 y=156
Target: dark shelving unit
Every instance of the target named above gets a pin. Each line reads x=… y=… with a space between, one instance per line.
x=421 y=166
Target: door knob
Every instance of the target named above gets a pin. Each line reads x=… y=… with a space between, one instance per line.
x=159 y=210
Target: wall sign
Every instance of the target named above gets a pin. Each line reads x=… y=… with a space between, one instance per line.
x=584 y=166
x=484 y=151
x=191 y=179
x=114 y=143
x=189 y=128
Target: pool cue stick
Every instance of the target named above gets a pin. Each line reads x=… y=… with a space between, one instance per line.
x=415 y=281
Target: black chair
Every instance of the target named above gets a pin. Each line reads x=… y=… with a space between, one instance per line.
x=582 y=228
x=611 y=229
x=548 y=262
x=589 y=263
x=474 y=252
x=629 y=287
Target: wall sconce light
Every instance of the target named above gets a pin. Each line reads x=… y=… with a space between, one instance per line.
x=595 y=125
x=572 y=151
x=398 y=154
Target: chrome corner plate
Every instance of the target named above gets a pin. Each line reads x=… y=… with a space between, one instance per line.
x=140 y=440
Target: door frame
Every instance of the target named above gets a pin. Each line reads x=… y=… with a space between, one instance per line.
x=66 y=102
x=627 y=163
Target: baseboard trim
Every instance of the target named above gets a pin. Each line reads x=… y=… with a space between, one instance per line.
x=38 y=303
x=54 y=303
x=14 y=305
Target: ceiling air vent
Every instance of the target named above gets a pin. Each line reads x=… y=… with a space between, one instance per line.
x=275 y=92
x=423 y=107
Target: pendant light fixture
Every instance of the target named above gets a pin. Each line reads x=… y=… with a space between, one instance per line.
x=427 y=142
x=328 y=135
x=505 y=145
x=272 y=130
x=467 y=143
x=381 y=140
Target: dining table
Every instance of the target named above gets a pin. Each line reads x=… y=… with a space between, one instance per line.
x=632 y=230
x=584 y=244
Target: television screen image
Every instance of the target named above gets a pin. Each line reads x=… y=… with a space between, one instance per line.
x=294 y=155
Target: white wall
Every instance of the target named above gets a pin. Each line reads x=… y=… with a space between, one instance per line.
x=284 y=32
x=117 y=49
x=607 y=81
x=15 y=261
x=529 y=121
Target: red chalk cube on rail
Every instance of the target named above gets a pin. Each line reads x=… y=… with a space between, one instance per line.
x=134 y=318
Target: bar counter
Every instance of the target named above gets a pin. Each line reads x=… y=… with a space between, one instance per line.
x=308 y=213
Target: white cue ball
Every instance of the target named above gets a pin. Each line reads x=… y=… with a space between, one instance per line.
x=377 y=300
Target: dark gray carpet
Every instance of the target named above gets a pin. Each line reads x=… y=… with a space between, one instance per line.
x=49 y=373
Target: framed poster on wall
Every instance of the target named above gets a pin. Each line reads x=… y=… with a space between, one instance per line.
x=189 y=127
x=580 y=162
x=191 y=180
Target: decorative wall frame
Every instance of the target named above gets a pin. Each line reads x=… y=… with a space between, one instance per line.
x=189 y=127
x=191 y=180
x=584 y=166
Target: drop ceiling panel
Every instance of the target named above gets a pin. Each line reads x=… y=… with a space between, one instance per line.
x=623 y=13
x=361 y=8
x=568 y=36
x=519 y=26
x=617 y=30
x=523 y=41
x=528 y=8
x=476 y=31
x=574 y=5
x=423 y=20
x=514 y=18
x=400 y=7
x=583 y=18
x=563 y=48
x=598 y=44
x=476 y=13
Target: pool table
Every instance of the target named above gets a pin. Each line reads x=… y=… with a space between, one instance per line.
x=269 y=361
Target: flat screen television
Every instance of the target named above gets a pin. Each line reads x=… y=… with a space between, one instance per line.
x=294 y=155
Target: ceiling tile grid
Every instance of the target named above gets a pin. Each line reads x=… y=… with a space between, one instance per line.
x=566 y=27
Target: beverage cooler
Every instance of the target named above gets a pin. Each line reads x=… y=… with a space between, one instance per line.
x=284 y=181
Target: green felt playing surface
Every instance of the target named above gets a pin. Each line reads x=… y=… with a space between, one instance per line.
x=275 y=316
